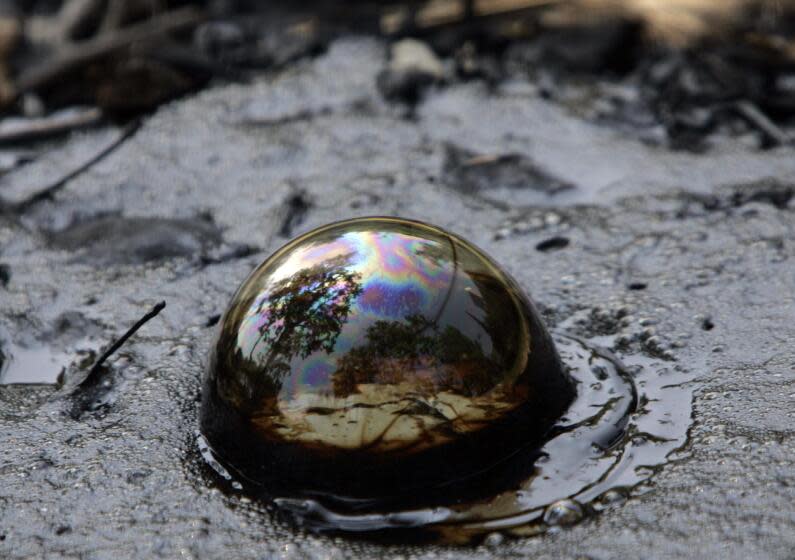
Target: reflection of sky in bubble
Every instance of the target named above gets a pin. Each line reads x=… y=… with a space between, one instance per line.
x=400 y=275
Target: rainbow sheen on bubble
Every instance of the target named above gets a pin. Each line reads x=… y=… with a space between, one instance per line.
x=399 y=275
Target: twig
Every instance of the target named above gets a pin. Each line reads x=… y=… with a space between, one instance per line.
x=26 y=130
x=436 y=15
x=48 y=191
x=762 y=122
x=487 y=159
x=75 y=14
x=77 y=54
x=154 y=312
x=193 y=62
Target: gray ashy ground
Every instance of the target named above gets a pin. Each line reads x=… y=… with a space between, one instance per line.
x=210 y=185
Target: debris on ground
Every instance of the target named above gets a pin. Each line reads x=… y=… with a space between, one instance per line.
x=679 y=73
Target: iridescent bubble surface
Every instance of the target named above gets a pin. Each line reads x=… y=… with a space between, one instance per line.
x=378 y=355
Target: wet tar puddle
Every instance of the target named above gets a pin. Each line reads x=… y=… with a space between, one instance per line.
x=630 y=418
x=38 y=363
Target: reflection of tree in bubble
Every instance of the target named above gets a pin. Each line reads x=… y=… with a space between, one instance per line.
x=417 y=350
x=302 y=313
x=305 y=312
x=438 y=254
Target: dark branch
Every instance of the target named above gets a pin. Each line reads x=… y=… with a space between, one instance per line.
x=48 y=191
x=75 y=55
x=116 y=345
x=29 y=130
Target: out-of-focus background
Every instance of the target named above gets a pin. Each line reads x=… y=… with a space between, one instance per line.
x=670 y=71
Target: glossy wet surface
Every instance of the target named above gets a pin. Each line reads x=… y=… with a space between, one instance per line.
x=44 y=362
x=39 y=365
x=607 y=444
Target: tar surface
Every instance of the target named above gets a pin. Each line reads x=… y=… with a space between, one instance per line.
x=686 y=260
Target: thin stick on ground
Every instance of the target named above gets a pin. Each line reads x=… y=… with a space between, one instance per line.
x=154 y=312
x=48 y=191
x=28 y=130
x=437 y=15
x=762 y=122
